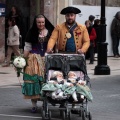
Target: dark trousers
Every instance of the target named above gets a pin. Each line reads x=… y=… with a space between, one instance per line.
x=115 y=44
x=91 y=51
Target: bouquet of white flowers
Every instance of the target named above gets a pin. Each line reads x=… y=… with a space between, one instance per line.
x=19 y=63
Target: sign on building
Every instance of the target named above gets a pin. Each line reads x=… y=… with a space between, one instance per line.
x=2 y=9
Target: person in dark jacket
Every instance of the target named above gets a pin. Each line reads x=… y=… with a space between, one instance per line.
x=115 y=34
x=91 y=19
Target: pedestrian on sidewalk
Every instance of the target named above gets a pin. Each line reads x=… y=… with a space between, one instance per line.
x=12 y=41
x=115 y=34
x=34 y=51
x=96 y=26
x=91 y=18
x=92 y=35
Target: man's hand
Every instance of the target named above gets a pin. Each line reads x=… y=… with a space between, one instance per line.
x=79 y=51
x=49 y=51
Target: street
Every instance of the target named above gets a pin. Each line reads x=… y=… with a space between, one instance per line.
x=105 y=105
x=106 y=94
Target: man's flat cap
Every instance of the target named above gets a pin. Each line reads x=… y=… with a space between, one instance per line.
x=69 y=9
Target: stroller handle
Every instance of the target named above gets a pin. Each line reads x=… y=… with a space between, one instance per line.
x=65 y=54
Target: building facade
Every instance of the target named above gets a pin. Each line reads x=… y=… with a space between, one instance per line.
x=51 y=9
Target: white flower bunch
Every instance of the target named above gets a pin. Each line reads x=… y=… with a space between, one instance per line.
x=19 y=62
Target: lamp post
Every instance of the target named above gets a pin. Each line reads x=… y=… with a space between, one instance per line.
x=102 y=68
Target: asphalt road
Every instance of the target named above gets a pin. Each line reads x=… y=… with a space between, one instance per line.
x=105 y=105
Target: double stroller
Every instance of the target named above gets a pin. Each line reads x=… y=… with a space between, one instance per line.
x=65 y=63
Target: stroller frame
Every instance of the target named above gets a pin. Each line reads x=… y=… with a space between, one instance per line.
x=65 y=63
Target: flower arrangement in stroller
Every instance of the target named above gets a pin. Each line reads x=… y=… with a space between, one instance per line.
x=65 y=86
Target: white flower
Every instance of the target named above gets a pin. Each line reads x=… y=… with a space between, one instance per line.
x=19 y=62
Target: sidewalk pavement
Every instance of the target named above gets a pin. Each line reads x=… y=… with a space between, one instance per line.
x=8 y=74
x=112 y=62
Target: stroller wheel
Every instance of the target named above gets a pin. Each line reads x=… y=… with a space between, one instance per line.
x=43 y=115
x=69 y=115
x=74 y=111
x=63 y=115
x=60 y=112
x=83 y=116
x=49 y=115
x=80 y=113
x=89 y=116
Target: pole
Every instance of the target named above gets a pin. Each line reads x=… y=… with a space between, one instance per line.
x=37 y=6
x=102 y=68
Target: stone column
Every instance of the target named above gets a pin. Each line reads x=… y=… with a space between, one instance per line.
x=37 y=6
x=61 y=4
x=50 y=10
x=2 y=36
x=32 y=11
x=2 y=39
